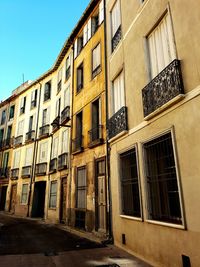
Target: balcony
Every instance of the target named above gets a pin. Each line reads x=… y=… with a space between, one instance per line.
x=14 y=174
x=5 y=172
x=77 y=145
x=55 y=123
x=18 y=140
x=44 y=131
x=164 y=87
x=53 y=165
x=95 y=136
x=116 y=38
x=63 y=161
x=41 y=169
x=30 y=136
x=26 y=171
x=65 y=114
x=7 y=142
x=118 y=122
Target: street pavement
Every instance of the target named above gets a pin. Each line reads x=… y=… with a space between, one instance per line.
x=34 y=243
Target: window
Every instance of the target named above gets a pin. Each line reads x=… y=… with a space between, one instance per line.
x=20 y=129
x=45 y=116
x=24 y=196
x=12 y=112
x=96 y=60
x=65 y=142
x=3 y=117
x=43 y=152
x=16 y=160
x=31 y=126
x=1 y=136
x=101 y=12
x=118 y=98
x=68 y=68
x=59 y=83
x=163 y=191
x=87 y=32
x=130 y=195
x=161 y=46
x=67 y=97
x=79 y=78
x=81 y=187
x=34 y=98
x=53 y=195
x=28 y=156
x=58 y=108
x=116 y=25
x=5 y=161
x=9 y=133
x=47 y=91
x=96 y=131
x=23 y=105
x=55 y=148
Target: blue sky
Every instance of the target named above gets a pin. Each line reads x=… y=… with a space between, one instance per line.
x=32 y=33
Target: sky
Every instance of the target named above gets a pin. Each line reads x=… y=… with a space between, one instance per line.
x=32 y=33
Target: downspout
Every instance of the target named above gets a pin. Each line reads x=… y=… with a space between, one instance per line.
x=34 y=154
x=109 y=200
x=70 y=146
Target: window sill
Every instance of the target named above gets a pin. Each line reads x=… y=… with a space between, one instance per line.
x=172 y=225
x=165 y=106
x=131 y=218
x=54 y=209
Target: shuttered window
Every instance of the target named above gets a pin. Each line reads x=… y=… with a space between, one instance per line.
x=22 y=105
x=43 y=152
x=118 y=98
x=129 y=184
x=161 y=46
x=65 y=142
x=101 y=12
x=16 y=161
x=24 y=196
x=55 y=148
x=46 y=116
x=81 y=188
x=20 y=129
x=58 y=107
x=115 y=18
x=67 y=97
x=28 y=156
x=96 y=59
x=53 y=195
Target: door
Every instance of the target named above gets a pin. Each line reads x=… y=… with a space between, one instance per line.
x=63 y=198
x=3 y=197
x=13 y=198
x=39 y=199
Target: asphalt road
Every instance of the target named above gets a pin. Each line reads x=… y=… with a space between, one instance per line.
x=22 y=236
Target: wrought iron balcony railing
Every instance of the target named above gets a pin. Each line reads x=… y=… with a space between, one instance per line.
x=41 y=169
x=118 y=122
x=63 y=161
x=44 y=131
x=163 y=88
x=30 y=136
x=77 y=144
x=14 y=174
x=18 y=140
x=55 y=123
x=26 y=171
x=95 y=136
x=8 y=142
x=5 y=172
x=116 y=38
x=53 y=165
x=65 y=114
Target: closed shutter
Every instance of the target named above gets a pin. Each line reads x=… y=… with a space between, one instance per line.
x=81 y=188
x=29 y=156
x=85 y=34
x=75 y=48
x=101 y=12
x=65 y=141
x=115 y=18
x=20 y=129
x=5 y=160
x=96 y=59
x=43 y=152
x=161 y=46
x=89 y=28
x=55 y=148
x=16 y=161
x=118 y=93
x=67 y=97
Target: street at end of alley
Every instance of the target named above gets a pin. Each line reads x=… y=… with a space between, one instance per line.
x=34 y=243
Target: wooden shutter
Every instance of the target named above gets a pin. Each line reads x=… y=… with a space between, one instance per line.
x=118 y=93
x=20 y=128
x=29 y=156
x=85 y=34
x=89 y=28
x=16 y=162
x=101 y=12
x=161 y=46
x=43 y=152
x=115 y=17
x=5 y=160
x=75 y=48
x=55 y=148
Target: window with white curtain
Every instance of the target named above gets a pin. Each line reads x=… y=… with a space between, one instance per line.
x=118 y=98
x=161 y=46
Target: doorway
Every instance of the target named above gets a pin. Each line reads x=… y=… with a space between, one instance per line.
x=13 y=198
x=63 y=198
x=38 y=199
x=3 y=193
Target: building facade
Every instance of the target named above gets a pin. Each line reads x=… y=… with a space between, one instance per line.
x=153 y=103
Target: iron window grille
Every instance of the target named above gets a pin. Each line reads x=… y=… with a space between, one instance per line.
x=129 y=184
x=41 y=168
x=65 y=114
x=163 y=192
x=26 y=171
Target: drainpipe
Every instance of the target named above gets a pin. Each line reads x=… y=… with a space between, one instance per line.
x=109 y=200
x=34 y=154
x=70 y=146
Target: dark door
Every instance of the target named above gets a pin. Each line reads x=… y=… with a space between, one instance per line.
x=3 y=197
x=95 y=120
x=39 y=199
x=63 y=197
x=13 y=198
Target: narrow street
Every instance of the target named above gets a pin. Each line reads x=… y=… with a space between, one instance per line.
x=26 y=242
